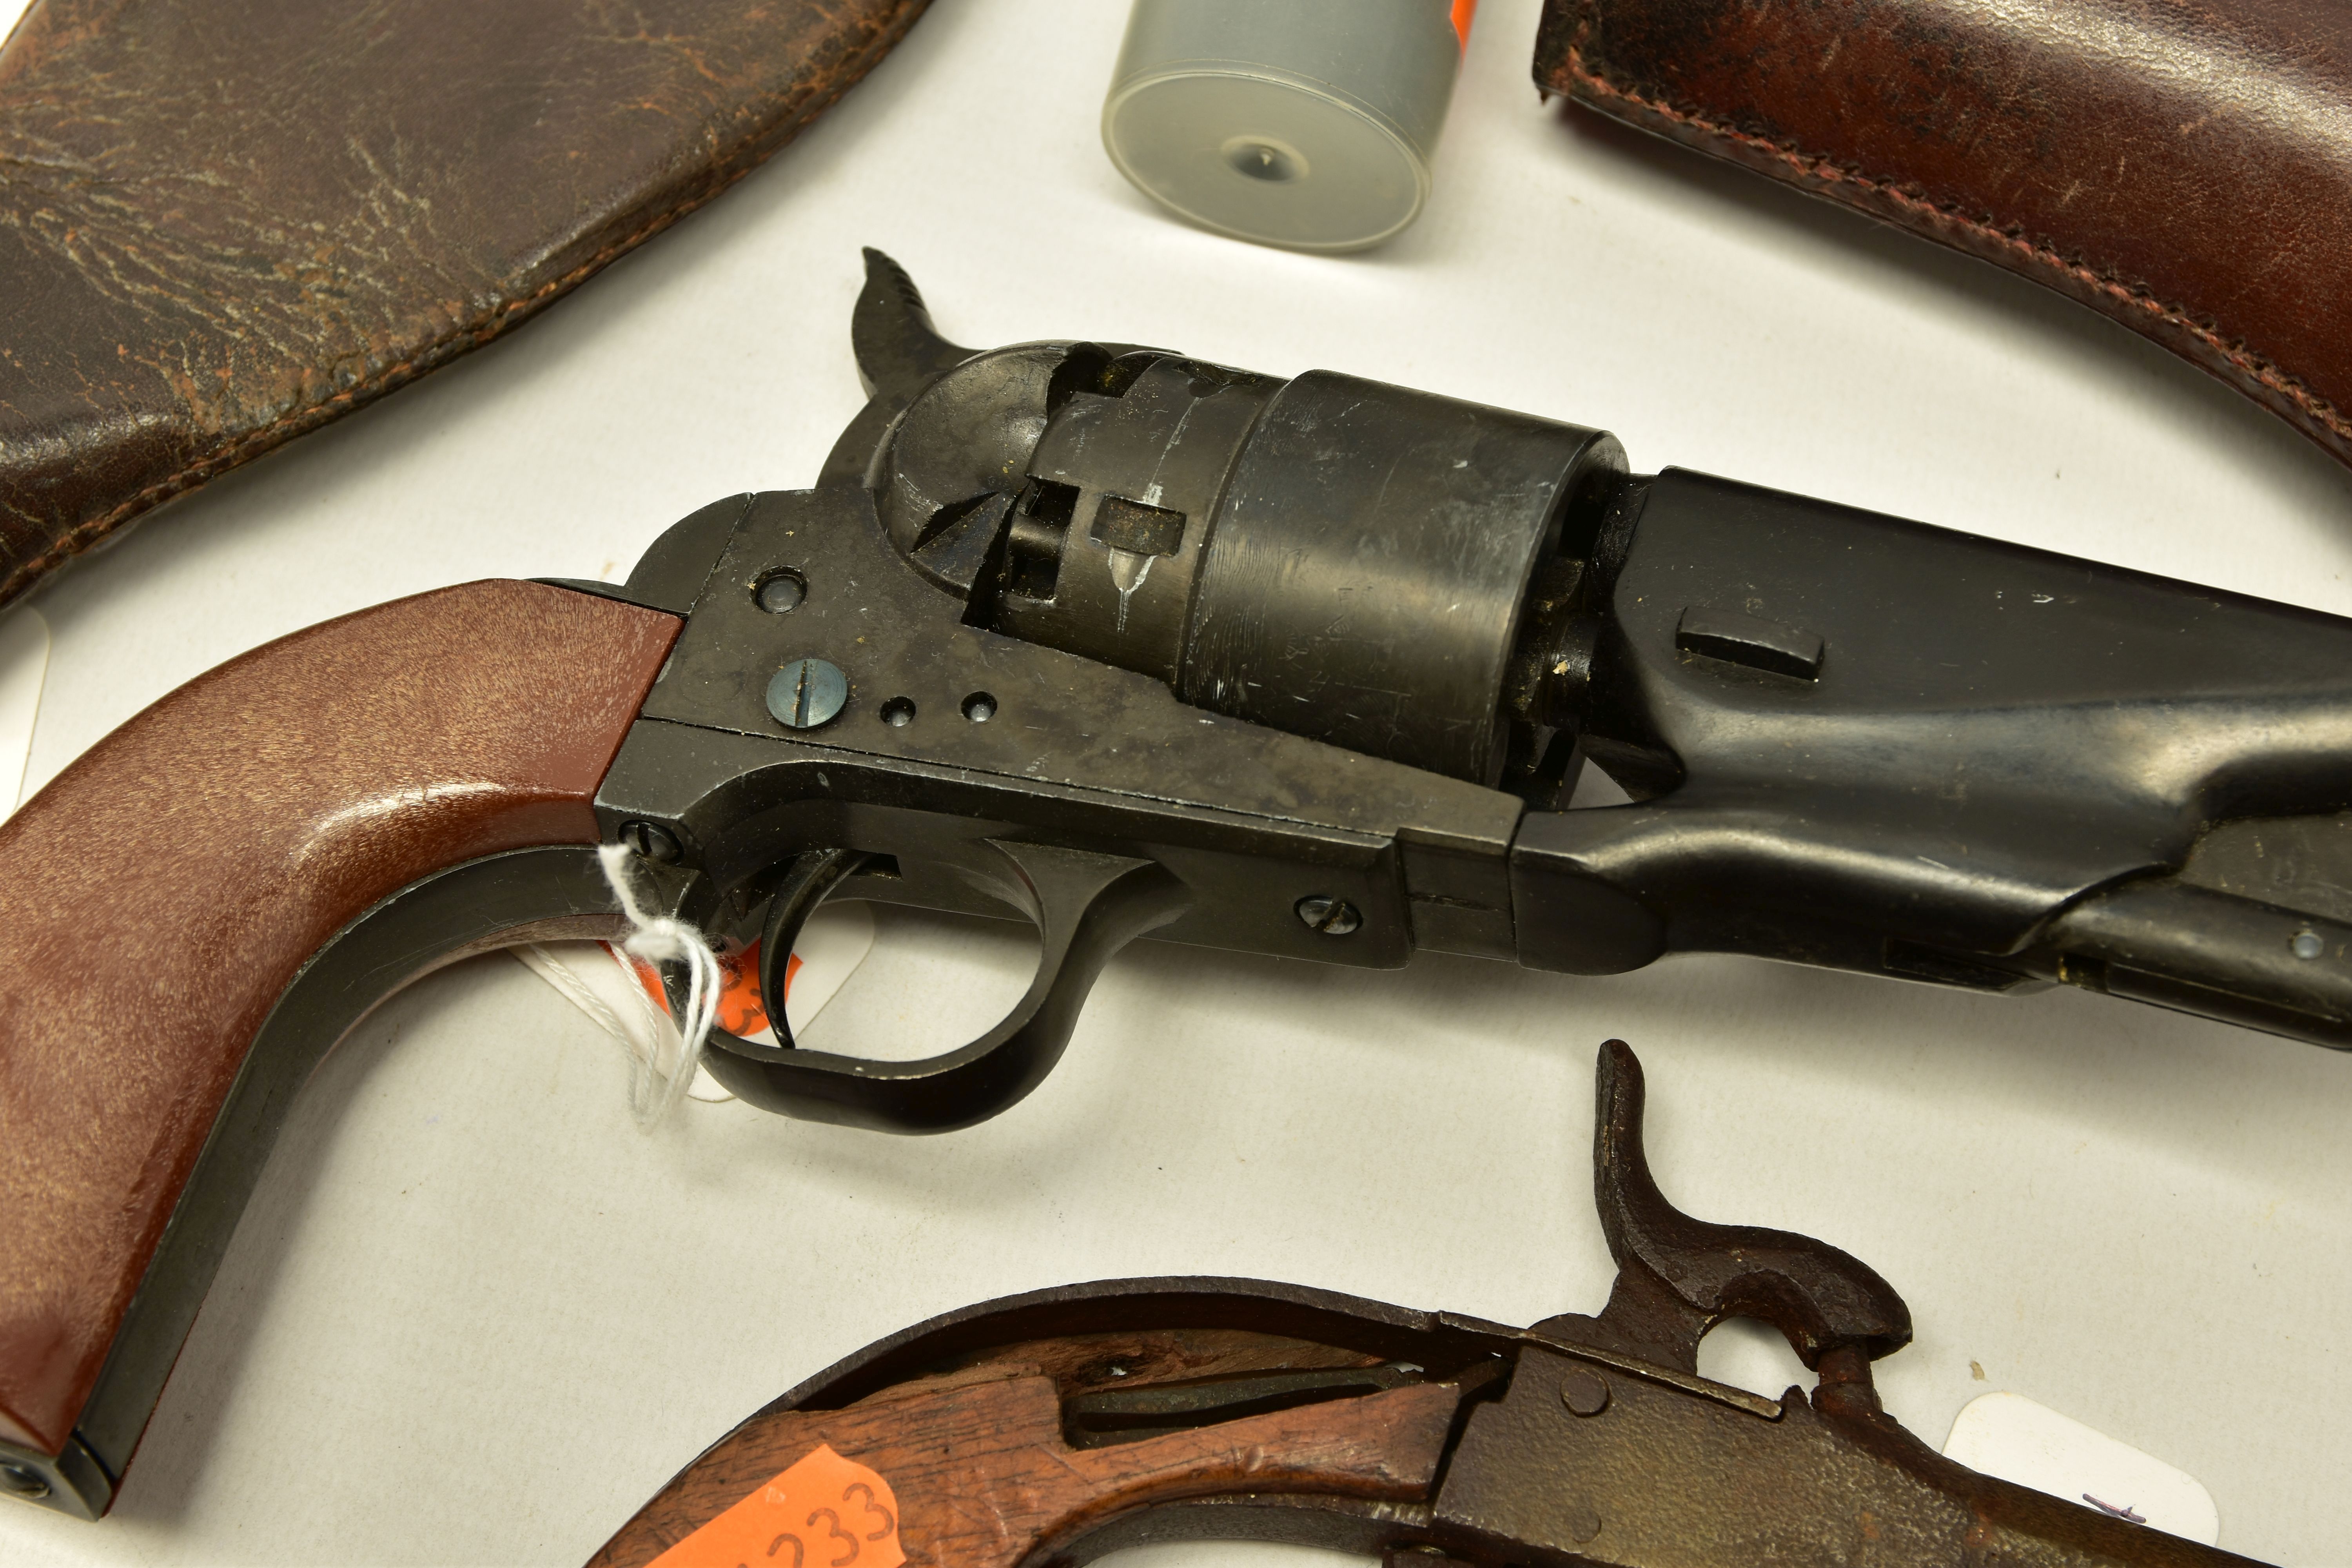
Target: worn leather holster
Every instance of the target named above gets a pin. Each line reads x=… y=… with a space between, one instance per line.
x=2182 y=165
x=226 y=222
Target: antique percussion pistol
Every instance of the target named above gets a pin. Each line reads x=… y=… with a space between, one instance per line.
x=1053 y=1428
x=1121 y=642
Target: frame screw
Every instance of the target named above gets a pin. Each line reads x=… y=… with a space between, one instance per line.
x=1585 y=1392
x=2307 y=944
x=22 y=1480
x=653 y=843
x=781 y=593
x=806 y=693
x=1332 y=917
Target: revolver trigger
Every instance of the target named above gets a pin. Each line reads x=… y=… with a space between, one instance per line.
x=1086 y=906
x=1678 y=1277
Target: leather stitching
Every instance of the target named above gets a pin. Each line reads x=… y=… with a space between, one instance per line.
x=2258 y=368
x=433 y=355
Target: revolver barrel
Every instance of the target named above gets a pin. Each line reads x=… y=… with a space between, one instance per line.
x=1846 y=738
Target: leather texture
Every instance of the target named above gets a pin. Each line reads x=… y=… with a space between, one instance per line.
x=2184 y=166
x=162 y=891
x=226 y=222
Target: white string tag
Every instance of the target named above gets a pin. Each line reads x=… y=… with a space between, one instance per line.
x=656 y=1084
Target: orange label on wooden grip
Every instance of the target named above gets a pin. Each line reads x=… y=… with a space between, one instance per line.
x=820 y=1512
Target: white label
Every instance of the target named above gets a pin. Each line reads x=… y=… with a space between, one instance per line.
x=24 y=663
x=2010 y=1437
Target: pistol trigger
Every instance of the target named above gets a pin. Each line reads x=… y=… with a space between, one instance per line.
x=808 y=880
x=1678 y=1277
x=1086 y=906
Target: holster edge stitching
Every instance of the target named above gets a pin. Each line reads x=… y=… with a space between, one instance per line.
x=2256 y=366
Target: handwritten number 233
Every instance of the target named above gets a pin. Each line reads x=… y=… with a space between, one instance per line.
x=856 y=1491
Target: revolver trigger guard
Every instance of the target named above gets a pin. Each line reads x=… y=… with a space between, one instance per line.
x=1086 y=905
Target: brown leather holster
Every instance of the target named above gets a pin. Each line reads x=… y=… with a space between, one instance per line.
x=2182 y=165
x=226 y=222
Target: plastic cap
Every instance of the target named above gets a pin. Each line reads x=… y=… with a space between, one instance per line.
x=1308 y=124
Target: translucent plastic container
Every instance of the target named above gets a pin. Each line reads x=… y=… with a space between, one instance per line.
x=1306 y=123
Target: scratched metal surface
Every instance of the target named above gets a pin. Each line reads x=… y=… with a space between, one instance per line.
x=473 y=1317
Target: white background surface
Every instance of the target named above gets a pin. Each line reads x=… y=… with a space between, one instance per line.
x=473 y=1317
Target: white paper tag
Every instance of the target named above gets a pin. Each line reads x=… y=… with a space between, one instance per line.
x=24 y=664
x=2010 y=1437
x=621 y=994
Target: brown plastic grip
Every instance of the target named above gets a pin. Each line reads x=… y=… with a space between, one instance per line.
x=159 y=896
x=982 y=1478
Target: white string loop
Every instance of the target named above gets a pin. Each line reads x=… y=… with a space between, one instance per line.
x=656 y=1087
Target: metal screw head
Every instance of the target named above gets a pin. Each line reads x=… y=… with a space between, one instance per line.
x=22 y=1480
x=781 y=593
x=1584 y=1391
x=1332 y=917
x=653 y=843
x=2307 y=944
x=806 y=693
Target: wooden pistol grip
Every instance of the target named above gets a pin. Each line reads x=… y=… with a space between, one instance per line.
x=960 y=1474
x=159 y=897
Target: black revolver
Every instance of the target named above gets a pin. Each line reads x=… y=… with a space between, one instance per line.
x=1847 y=740
x=1121 y=642
x=1056 y=1427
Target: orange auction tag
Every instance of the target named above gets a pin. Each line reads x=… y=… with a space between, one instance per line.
x=822 y=1511
x=741 y=1011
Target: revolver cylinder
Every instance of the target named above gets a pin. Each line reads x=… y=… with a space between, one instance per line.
x=1342 y=559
